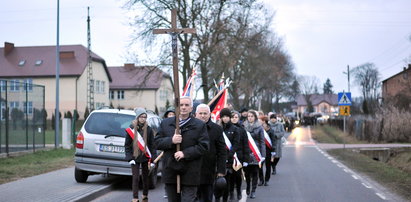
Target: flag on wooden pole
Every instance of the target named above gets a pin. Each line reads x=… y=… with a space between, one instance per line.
x=190 y=85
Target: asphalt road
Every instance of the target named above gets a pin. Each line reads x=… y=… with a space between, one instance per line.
x=304 y=173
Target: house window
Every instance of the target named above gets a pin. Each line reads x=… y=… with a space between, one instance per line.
x=120 y=94
x=102 y=86
x=111 y=95
x=14 y=105
x=14 y=85
x=22 y=62
x=39 y=62
x=29 y=84
x=163 y=94
x=29 y=106
x=2 y=110
x=97 y=86
x=3 y=85
x=92 y=85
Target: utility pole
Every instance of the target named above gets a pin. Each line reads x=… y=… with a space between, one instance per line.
x=90 y=80
x=348 y=76
x=57 y=113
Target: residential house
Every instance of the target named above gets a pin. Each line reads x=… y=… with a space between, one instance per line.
x=397 y=85
x=140 y=86
x=322 y=103
x=37 y=65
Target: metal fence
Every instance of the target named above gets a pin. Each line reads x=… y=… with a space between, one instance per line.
x=22 y=116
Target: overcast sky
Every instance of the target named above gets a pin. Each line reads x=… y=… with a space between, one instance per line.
x=321 y=36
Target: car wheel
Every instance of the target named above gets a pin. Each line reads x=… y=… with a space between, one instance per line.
x=152 y=180
x=80 y=175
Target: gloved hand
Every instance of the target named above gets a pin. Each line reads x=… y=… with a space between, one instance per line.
x=245 y=164
x=132 y=162
x=152 y=165
x=273 y=153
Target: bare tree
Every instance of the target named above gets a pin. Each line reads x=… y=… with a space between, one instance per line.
x=308 y=86
x=368 y=78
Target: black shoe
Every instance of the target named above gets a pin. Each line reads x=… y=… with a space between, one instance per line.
x=217 y=200
x=266 y=183
x=274 y=171
x=239 y=196
x=252 y=195
x=261 y=183
x=248 y=191
x=231 y=195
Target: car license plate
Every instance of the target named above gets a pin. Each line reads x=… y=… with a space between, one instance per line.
x=111 y=148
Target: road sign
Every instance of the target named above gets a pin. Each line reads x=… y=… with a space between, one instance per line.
x=344 y=110
x=344 y=99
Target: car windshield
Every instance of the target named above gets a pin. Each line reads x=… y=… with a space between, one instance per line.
x=108 y=123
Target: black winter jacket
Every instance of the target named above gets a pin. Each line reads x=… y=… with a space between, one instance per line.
x=128 y=144
x=194 y=145
x=243 y=150
x=214 y=160
x=232 y=133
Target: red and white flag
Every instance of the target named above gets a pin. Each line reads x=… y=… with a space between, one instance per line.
x=267 y=140
x=189 y=87
x=218 y=104
x=140 y=142
x=255 y=150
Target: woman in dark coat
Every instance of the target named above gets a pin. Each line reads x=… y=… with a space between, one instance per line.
x=233 y=137
x=253 y=126
x=269 y=152
x=140 y=156
x=243 y=152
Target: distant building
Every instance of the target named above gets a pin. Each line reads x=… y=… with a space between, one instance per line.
x=322 y=103
x=397 y=85
x=37 y=65
x=140 y=86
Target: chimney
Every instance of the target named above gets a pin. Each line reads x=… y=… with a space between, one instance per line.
x=67 y=54
x=129 y=65
x=8 y=47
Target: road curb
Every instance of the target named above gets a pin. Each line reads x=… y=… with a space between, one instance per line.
x=97 y=193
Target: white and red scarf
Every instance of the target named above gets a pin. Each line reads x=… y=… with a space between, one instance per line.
x=140 y=142
x=254 y=149
x=267 y=140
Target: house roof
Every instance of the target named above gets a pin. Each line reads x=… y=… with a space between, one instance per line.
x=405 y=71
x=136 y=77
x=316 y=99
x=11 y=56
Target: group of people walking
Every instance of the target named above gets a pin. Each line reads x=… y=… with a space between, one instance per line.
x=213 y=159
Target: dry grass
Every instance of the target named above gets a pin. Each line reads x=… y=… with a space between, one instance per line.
x=328 y=134
x=14 y=168
x=396 y=179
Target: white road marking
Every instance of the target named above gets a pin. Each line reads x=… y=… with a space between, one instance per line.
x=355 y=177
x=366 y=185
x=381 y=196
x=345 y=170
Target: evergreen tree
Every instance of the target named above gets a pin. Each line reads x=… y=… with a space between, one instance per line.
x=327 y=88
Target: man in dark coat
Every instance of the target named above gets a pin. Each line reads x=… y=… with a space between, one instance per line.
x=194 y=143
x=215 y=159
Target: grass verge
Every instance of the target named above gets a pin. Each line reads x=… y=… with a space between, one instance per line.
x=397 y=180
x=328 y=134
x=14 y=168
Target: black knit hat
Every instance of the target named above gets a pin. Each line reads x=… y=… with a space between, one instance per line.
x=225 y=112
x=243 y=110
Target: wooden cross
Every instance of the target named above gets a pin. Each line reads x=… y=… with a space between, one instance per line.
x=174 y=32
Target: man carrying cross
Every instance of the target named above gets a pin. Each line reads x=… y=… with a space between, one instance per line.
x=183 y=139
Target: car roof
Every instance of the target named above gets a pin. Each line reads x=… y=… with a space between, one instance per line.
x=121 y=111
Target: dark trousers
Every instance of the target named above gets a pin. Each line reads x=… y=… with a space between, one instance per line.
x=236 y=181
x=274 y=164
x=205 y=193
x=135 y=170
x=224 y=193
x=251 y=176
x=267 y=165
x=188 y=193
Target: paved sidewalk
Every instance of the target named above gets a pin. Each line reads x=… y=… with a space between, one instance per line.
x=58 y=185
